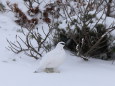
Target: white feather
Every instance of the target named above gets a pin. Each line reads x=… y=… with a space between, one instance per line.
x=52 y=59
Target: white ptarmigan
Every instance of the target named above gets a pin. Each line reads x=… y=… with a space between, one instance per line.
x=53 y=59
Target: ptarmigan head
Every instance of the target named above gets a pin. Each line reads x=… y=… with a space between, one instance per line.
x=60 y=45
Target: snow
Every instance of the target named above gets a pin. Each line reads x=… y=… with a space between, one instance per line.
x=18 y=70
x=74 y=72
x=110 y=21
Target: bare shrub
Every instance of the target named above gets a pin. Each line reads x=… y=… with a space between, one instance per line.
x=85 y=30
x=22 y=19
x=35 y=44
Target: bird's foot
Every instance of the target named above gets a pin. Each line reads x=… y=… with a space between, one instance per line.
x=51 y=70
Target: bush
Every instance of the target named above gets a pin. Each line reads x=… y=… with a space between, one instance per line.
x=84 y=32
x=2 y=7
x=22 y=19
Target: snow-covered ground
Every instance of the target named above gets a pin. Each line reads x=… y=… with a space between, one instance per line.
x=18 y=70
x=74 y=71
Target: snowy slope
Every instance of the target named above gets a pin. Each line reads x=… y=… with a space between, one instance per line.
x=18 y=70
x=74 y=72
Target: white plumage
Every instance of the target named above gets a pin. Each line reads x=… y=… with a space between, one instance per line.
x=52 y=59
